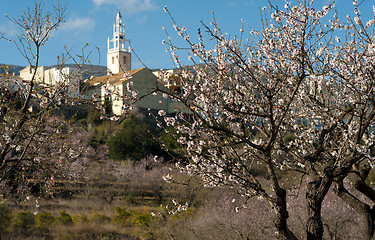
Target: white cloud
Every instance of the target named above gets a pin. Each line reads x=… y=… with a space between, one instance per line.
x=76 y=23
x=9 y=29
x=129 y=6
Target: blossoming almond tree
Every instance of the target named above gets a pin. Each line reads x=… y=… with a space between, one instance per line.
x=296 y=96
x=32 y=145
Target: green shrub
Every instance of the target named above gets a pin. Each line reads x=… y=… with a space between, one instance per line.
x=93 y=118
x=133 y=141
x=80 y=219
x=44 y=220
x=24 y=221
x=169 y=140
x=64 y=218
x=103 y=132
x=122 y=216
x=141 y=218
x=5 y=217
x=99 y=218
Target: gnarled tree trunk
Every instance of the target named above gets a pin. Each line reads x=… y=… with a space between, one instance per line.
x=283 y=232
x=367 y=214
x=316 y=191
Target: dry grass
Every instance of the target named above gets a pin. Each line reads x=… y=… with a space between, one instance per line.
x=95 y=197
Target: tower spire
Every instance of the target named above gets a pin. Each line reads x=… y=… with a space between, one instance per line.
x=118 y=56
x=118 y=18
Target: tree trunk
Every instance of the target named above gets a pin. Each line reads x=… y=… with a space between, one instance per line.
x=363 y=209
x=316 y=191
x=367 y=214
x=282 y=230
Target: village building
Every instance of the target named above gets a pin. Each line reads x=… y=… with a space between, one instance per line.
x=113 y=83
x=55 y=76
x=68 y=76
x=119 y=51
x=121 y=81
x=116 y=87
x=169 y=79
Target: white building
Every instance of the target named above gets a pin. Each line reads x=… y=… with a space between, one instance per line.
x=113 y=86
x=55 y=77
x=118 y=55
x=70 y=76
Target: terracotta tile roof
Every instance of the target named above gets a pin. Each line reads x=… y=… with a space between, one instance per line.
x=113 y=79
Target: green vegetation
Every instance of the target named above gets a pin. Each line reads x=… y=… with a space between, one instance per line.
x=141 y=217
x=118 y=200
x=94 y=117
x=25 y=221
x=5 y=217
x=44 y=220
x=168 y=139
x=133 y=141
x=103 y=132
x=64 y=218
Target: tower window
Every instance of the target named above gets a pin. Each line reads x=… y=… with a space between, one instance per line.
x=124 y=59
x=113 y=60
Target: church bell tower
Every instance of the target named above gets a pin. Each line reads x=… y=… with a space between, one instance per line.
x=118 y=56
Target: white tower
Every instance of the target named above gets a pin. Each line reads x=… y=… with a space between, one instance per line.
x=118 y=56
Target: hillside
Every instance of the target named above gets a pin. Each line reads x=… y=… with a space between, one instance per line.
x=87 y=69
x=12 y=68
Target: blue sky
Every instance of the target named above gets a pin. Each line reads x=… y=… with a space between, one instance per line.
x=90 y=21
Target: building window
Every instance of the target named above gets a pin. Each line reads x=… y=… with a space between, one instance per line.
x=113 y=60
